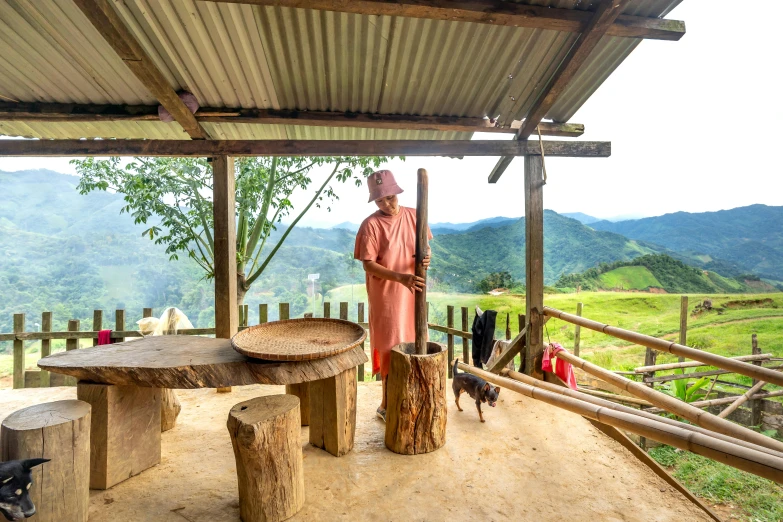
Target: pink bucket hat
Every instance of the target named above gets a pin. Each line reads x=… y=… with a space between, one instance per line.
x=382 y=184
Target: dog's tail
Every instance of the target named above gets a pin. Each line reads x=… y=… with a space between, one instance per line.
x=456 y=363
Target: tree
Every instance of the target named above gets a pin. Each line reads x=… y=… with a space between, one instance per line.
x=172 y=197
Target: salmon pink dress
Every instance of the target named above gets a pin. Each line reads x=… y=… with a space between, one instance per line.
x=390 y=241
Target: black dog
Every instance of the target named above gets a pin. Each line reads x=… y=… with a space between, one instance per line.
x=15 y=481
x=476 y=387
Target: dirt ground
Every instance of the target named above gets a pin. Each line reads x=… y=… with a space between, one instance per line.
x=529 y=461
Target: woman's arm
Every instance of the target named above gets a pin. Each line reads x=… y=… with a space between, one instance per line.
x=410 y=281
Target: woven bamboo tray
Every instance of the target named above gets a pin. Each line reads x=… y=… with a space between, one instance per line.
x=298 y=339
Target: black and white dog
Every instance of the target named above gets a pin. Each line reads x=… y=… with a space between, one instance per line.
x=15 y=482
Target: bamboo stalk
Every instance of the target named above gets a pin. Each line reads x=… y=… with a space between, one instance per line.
x=696 y=364
x=753 y=461
x=708 y=358
x=695 y=375
x=724 y=400
x=561 y=390
x=421 y=252
x=742 y=399
x=614 y=396
x=683 y=409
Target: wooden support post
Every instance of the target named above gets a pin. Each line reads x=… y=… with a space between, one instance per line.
x=450 y=337
x=344 y=311
x=119 y=324
x=333 y=412
x=465 y=340
x=420 y=306
x=245 y=313
x=46 y=347
x=225 y=249
x=650 y=356
x=577 y=330
x=58 y=431
x=97 y=324
x=327 y=310
x=146 y=312
x=283 y=311
x=19 y=363
x=534 y=262
x=360 y=318
x=755 y=405
x=263 y=313
x=124 y=433
x=270 y=472
x=72 y=344
x=302 y=391
x=683 y=322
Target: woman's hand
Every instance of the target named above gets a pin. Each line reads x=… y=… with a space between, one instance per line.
x=412 y=283
x=426 y=262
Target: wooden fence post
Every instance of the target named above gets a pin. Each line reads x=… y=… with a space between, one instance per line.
x=327 y=310
x=683 y=322
x=450 y=336
x=577 y=330
x=344 y=310
x=263 y=313
x=755 y=404
x=465 y=340
x=650 y=356
x=46 y=347
x=19 y=320
x=534 y=263
x=284 y=311
x=97 y=324
x=146 y=312
x=360 y=318
x=244 y=311
x=72 y=344
x=119 y=324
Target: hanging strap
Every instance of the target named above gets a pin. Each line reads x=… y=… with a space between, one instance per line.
x=541 y=146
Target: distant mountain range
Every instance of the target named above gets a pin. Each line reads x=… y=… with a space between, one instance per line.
x=445 y=228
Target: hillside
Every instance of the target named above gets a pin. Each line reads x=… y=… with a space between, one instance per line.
x=741 y=240
x=659 y=272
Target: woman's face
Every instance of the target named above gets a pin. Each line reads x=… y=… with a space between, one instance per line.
x=388 y=205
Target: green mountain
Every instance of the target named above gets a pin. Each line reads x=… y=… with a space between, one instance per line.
x=659 y=272
x=741 y=240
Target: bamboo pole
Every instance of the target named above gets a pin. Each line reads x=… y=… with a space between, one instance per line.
x=465 y=341
x=561 y=390
x=421 y=253
x=724 y=400
x=450 y=337
x=360 y=318
x=740 y=457
x=683 y=409
x=742 y=399
x=696 y=364
x=614 y=397
x=696 y=375
x=708 y=358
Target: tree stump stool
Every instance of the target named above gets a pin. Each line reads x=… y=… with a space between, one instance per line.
x=124 y=431
x=333 y=412
x=416 y=399
x=59 y=431
x=265 y=434
x=169 y=409
x=301 y=390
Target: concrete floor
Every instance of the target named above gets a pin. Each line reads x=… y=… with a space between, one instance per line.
x=529 y=461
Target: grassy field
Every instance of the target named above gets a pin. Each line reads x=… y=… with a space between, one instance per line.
x=629 y=277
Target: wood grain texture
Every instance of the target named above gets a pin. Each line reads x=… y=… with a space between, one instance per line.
x=422 y=247
x=534 y=262
x=124 y=433
x=225 y=257
x=186 y=362
x=46 y=349
x=19 y=355
x=333 y=412
x=211 y=148
x=270 y=471
x=302 y=392
x=416 y=395
x=170 y=407
x=493 y=12
x=59 y=431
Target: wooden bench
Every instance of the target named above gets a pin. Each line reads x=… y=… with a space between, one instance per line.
x=122 y=383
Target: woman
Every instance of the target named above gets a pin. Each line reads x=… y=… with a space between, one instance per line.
x=386 y=246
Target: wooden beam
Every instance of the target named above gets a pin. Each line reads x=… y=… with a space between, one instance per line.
x=225 y=257
x=493 y=12
x=603 y=18
x=534 y=261
x=108 y=23
x=71 y=112
x=210 y=148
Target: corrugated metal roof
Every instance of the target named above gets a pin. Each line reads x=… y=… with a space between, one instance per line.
x=119 y=130
x=232 y=55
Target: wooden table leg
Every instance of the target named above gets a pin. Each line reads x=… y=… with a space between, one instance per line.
x=333 y=412
x=301 y=390
x=124 y=431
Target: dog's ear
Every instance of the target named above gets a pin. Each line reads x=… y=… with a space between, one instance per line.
x=31 y=463
x=497 y=390
x=486 y=387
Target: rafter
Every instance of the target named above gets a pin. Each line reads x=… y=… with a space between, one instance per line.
x=494 y=12
x=603 y=18
x=211 y=148
x=59 y=112
x=108 y=23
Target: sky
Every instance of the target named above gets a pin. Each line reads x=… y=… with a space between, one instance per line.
x=695 y=126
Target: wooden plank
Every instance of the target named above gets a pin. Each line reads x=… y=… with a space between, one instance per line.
x=333 y=412
x=210 y=148
x=534 y=261
x=119 y=325
x=452 y=331
x=511 y=351
x=360 y=319
x=89 y=113
x=465 y=338
x=97 y=324
x=224 y=193
x=46 y=347
x=600 y=22
x=493 y=12
x=109 y=24
x=450 y=338
x=19 y=355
